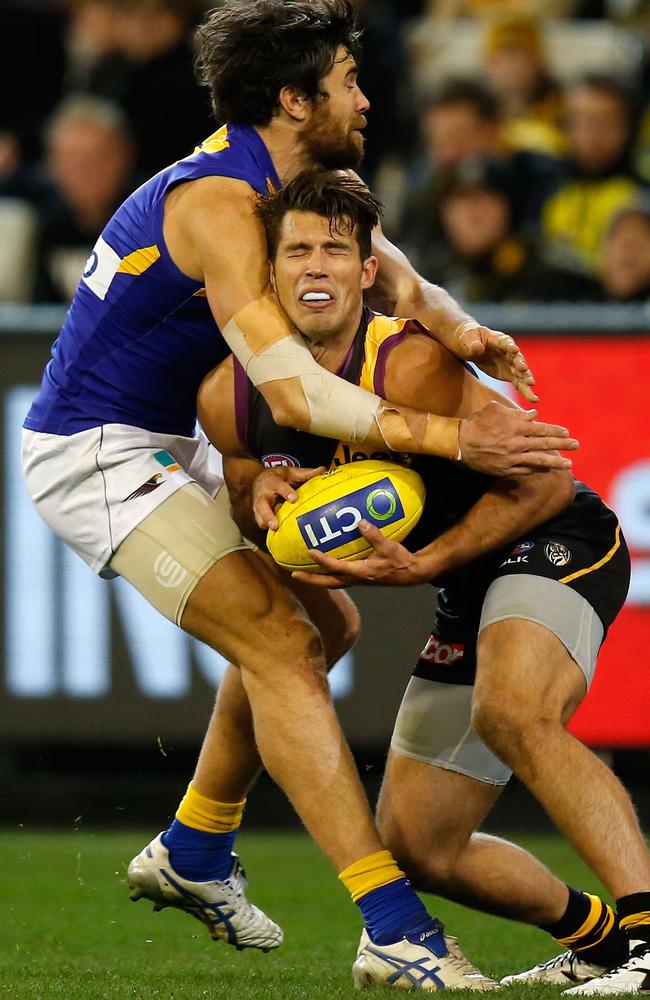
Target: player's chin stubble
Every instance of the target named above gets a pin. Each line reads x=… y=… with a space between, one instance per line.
x=333 y=147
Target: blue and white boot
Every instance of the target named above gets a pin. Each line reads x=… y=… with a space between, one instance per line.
x=426 y=960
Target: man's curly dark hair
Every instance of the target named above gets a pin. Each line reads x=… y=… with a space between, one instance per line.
x=248 y=50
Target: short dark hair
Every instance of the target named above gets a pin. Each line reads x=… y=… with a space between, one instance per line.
x=465 y=90
x=605 y=83
x=342 y=199
x=248 y=51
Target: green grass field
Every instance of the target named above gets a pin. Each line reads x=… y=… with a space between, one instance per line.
x=69 y=932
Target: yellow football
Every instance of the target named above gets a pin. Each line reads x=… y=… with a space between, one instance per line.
x=326 y=515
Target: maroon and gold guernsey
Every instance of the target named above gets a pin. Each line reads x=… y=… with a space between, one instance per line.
x=582 y=546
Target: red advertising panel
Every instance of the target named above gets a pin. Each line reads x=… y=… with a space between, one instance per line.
x=599 y=388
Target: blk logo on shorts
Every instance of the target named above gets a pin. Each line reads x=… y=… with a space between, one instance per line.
x=557 y=553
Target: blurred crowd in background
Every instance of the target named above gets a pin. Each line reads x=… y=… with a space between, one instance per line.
x=508 y=139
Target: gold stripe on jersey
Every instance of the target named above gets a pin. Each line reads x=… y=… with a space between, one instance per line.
x=215 y=142
x=601 y=562
x=139 y=261
x=380 y=328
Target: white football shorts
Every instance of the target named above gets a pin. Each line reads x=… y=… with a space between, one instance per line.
x=95 y=487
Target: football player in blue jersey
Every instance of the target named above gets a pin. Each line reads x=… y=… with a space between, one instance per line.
x=177 y=278
x=533 y=570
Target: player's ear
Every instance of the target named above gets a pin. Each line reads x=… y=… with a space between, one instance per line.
x=294 y=103
x=272 y=276
x=369 y=272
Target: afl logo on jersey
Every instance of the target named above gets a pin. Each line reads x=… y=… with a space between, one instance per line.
x=274 y=460
x=522 y=547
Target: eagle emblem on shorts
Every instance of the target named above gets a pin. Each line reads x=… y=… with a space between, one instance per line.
x=557 y=553
x=148 y=487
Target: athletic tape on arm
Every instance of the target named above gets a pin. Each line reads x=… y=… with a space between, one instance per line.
x=269 y=350
x=337 y=409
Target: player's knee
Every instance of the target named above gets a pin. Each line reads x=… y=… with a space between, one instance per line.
x=429 y=867
x=498 y=723
x=289 y=643
x=512 y=732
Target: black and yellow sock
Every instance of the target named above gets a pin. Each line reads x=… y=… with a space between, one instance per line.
x=634 y=915
x=590 y=928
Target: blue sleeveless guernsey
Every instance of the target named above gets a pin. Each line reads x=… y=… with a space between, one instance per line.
x=139 y=336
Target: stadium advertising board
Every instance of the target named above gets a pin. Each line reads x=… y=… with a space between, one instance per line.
x=598 y=388
x=87 y=661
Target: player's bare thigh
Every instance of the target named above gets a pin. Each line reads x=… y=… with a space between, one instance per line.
x=524 y=675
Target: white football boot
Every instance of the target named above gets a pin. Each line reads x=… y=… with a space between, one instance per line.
x=221 y=906
x=631 y=976
x=424 y=961
x=565 y=968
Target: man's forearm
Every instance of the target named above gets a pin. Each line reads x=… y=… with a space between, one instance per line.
x=509 y=509
x=434 y=308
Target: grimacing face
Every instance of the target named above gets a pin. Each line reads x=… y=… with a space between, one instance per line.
x=319 y=276
x=333 y=136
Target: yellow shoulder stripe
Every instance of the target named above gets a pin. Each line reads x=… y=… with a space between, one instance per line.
x=380 y=328
x=138 y=261
x=215 y=142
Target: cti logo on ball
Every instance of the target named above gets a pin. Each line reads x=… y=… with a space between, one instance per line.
x=337 y=522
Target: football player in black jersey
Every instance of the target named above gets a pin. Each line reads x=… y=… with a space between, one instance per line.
x=532 y=571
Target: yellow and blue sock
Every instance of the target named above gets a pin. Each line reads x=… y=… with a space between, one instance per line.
x=388 y=903
x=634 y=916
x=201 y=838
x=589 y=927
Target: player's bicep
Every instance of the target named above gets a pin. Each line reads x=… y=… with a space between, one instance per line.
x=422 y=373
x=229 y=242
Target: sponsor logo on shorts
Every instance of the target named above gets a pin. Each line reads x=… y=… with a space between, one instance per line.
x=167 y=461
x=148 y=487
x=331 y=525
x=444 y=654
x=522 y=547
x=557 y=553
x=169 y=572
x=276 y=459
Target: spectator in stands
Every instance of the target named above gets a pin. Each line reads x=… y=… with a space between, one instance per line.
x=485 y=8
x=531 y=99
x=151 y=77
x=460 y=122
x=89 y=158
x=384 y=78
x=597 y=179
x=626 y=256
x=488 y=260
x=92 y=39
x=31 y=73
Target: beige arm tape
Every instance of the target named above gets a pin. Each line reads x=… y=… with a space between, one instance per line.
x=269 y=350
